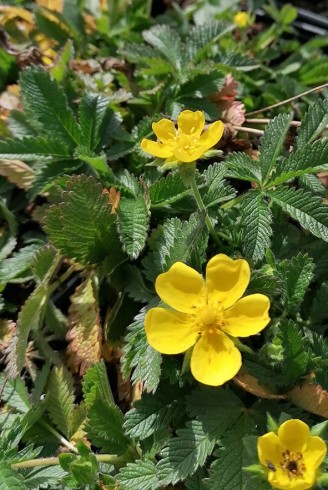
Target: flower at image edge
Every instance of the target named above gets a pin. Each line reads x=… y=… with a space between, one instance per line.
x=292 y=456
x=186 y=144
x=205 y=315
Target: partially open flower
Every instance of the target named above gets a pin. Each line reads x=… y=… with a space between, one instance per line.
x=206 y=314
x=292 y=456
x=186 y=144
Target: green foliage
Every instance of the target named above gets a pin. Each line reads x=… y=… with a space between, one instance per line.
x=296 y=358
x=256 y=226
x=133 y=222
x=141 y=476
x=90 y=223
x=60 y=399
x=85 y=215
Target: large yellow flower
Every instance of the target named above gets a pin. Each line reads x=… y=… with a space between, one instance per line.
x=205 y=315
x=187 y=143
x=292 y=457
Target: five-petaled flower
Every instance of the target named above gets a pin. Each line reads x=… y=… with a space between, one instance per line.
x=186 y=144
x=206 y=314
x=292 y=456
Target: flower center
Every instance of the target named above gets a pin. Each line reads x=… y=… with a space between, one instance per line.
x=292 y=464
x=210 y=318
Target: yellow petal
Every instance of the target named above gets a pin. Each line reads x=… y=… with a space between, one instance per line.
x=169 y=332
x=190 y=155
x=190 y=122
x=164 y=130
x=315 y=452
x=181 y=287
x=226 y=279
x=156 y=149
x=212 y=135
x=247 y=316
x=294 y=434
x=269 y=449
x=280 y=480
x=215 y=359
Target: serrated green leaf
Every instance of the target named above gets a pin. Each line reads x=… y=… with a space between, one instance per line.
x=272 y=144
x=306 y=160
x=153 y=412
x=202 y=36
x=92 y=111
x=139 y=356
x=227 y=470
x=82 y=226
x=184 y=453
x=255 y=219
x=60 y=399
x=167 y=41
x=28 y=319
x=313 y=123
x=19 y=125
x=241 y=166
x=19 y=265
x=216 y=408
x=217 y=188
x=133 y=221
x=44 y=263
x=203 y=85
x=167 y=190
x=235 y=59
x=296 y=275
x=10 y=479
x=105 y=427
x=47 y=105
x=95 y=384
x=15 y=394
x=135 y=285
x=141 y=475
x=174 y=241
x=306 y=208
x=296 y=358
x=37 y=477
x=34 y=148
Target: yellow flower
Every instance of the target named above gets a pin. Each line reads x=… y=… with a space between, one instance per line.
x=187 y=143
x=241 y=19
x=205 y=315
x=292 y=457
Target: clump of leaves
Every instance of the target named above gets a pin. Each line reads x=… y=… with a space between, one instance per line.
x=89 y=222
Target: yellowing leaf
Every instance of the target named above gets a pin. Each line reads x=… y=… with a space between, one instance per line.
x=310 y=397
x=84 y=333
x=56 y=5
x=17 y=172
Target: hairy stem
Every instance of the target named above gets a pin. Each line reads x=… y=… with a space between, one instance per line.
x=202 y=209
x=244 y=129
x=286 y=101
x=32 y=463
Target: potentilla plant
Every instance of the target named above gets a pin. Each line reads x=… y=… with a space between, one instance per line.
x=163 y=247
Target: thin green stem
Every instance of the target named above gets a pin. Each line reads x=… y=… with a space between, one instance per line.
x=233 y=202
x=33 y=463
x=203 y=209
x=61 y=279
x=61 y=438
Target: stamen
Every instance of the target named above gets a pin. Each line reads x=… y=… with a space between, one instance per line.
x=292 y=464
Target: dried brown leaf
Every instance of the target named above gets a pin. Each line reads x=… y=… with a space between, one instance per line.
x=250 y=384
x=84 y=335
x=310 y=397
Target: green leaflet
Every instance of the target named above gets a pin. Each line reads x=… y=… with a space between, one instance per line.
x=82 y=226
x=272 y=144
x=141 y=475
x=303 y=206
x=133 y=222
x=256 y=226
x=60 y=398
